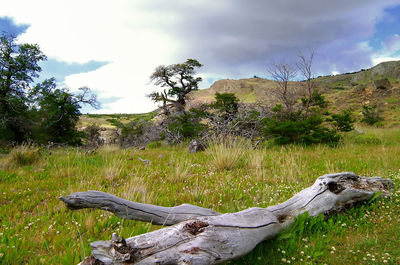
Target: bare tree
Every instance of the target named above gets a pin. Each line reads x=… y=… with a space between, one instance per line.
x=283 y=73
x=304 y=65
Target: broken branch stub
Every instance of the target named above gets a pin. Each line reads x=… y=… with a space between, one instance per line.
x=202 y=236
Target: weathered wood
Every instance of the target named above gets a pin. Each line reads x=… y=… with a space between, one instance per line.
x=133 y=210
x=208 y=238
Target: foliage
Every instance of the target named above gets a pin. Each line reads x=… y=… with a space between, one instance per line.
x=343 y=121
x=153 y=145
x=316 y=101
x=178 y=79
x=309 y=130
x=19 y=65
x=227 y=103
x=305 y=119
x=93 y=136
x=44 y=113
x=57 y=112
x=371 y=114
x=185 y=126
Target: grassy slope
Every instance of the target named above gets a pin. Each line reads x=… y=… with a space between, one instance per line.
x=103 y=120
x=342 y=91
x=36 y=228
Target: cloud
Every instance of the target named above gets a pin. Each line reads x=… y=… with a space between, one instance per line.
x=232 y=38
x=241 y=36
x=389 y=51
x=392 y=44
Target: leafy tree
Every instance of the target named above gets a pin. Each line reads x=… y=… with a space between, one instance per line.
x=57 y=112
x=178 y=80
x=19 y=65
x=227 y=103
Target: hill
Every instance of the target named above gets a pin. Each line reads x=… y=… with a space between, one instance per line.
x=378 y=85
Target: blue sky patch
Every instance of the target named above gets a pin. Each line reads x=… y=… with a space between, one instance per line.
x=59 y=69
x=387 y=27
x=7 y=25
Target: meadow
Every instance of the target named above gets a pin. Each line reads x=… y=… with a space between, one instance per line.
x=36 y=228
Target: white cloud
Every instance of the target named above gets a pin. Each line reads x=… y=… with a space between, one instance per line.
x=378 y=59
x=112 y=31
x=233 y=38
x=389 y=51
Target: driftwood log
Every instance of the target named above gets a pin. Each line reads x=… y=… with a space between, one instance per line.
x=202 y=236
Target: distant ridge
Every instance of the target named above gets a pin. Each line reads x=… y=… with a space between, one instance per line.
x=349 y=90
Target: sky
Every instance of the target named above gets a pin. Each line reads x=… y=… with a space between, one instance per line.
x=114 y=46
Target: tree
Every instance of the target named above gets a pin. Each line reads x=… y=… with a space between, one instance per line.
x=304 y=65
x=18 y=67
x=302 y=120
x=57 y=112
x=178 y=79
x=283 y=73
x=344 y=121
x=227 y=103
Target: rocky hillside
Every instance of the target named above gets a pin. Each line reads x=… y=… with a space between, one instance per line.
x=378 y=85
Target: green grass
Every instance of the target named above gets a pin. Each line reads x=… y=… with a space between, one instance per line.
x=36 y=228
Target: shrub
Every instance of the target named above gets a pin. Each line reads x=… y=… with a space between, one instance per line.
x=227 y=103
x=92 y=136
x=303 y=131
x=371 y=114
x=343 y=121
x=154 y=145
x=185 y=126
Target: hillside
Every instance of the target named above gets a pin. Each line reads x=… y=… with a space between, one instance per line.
x=350 y=90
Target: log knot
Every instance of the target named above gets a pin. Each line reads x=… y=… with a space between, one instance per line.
x=195 y=227
x=335 y=187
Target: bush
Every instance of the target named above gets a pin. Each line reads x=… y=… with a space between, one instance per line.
x=154 y=145
x=185 y=126
x=344 y=121
x=371 y=114
x=93 y=136
x=303 y=131
x=227 y=103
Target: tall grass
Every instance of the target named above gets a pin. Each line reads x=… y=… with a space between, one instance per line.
x=36 y=228
x=23 y=155
x=227 y=153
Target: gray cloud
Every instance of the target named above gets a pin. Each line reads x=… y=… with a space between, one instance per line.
x=239 y=38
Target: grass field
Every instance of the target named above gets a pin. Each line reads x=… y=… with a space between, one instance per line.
x=36 y=228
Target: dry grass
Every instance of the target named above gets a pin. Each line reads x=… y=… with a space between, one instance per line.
x=227 y=154
x=23 y=155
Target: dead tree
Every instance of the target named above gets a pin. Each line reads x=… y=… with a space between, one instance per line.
x=283 y=74
x=202 y=236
